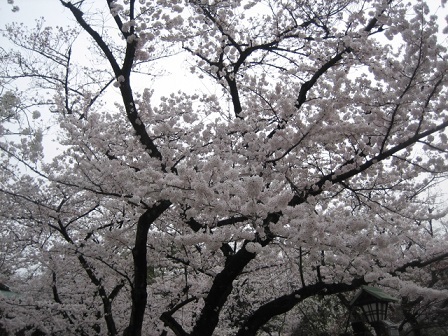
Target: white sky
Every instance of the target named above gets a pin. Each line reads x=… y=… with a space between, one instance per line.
x=177 y=76
x=56 y=15
x=31 y=10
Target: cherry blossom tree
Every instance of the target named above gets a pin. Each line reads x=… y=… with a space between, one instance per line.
x=299 y=172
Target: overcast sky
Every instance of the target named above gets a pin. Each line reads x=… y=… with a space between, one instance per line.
x=31 y=10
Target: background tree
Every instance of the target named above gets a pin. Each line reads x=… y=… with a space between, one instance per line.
x=424 y=313
x=299 y=172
